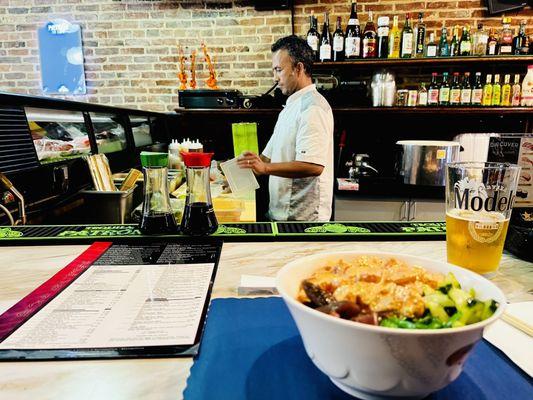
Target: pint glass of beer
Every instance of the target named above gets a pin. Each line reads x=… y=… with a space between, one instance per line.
x=479 y=201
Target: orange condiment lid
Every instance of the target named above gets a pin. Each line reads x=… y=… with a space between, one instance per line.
x=196 y=159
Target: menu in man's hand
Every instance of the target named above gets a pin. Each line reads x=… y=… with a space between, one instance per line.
x=117 y=300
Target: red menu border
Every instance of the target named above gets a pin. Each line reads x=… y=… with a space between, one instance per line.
x=18 y=314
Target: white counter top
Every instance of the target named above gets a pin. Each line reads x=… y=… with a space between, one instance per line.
x=24 y=268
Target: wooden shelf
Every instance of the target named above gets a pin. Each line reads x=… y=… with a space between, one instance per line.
x=418 y=62
x=437 y=110
x=374 y=110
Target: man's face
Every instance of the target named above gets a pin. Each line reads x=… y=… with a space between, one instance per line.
x=284 y=74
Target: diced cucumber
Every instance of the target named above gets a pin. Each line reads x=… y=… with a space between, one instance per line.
x=437 y=311
x=489 y=307
x=440 y=299
x=449 y=282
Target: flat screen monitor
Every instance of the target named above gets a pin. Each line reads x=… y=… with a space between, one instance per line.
x=58 y=135
x=501 y=6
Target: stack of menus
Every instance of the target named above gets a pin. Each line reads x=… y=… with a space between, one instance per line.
x=117 y=301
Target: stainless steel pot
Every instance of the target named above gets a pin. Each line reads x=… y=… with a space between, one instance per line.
x=422 y=162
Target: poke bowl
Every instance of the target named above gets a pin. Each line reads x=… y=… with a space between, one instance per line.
x=371 y=352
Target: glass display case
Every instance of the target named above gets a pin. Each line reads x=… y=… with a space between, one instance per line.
x=109 y=131
x=58 y=135
x=141 y=129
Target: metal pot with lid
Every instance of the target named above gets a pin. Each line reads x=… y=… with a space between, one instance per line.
x=423 y=162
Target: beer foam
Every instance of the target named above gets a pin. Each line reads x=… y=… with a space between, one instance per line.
x=478 y=216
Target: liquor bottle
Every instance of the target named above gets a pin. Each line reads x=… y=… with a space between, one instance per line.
x=444 y=91
x=433 y=91
x=505 y=46
x=506 y=91
x=455 y=90
x=477 y=90
x=487 y=91
x=492 y=44
x=431 y=47
x=444 y=46
x=325 y=40
x=369 y=38
x=526 y=94
x=454 y=44
x=466 y=90
x=394 y=39
x=520 y=46
x=422 y=95
x=480 y=39
x=465 y=44
x=420 y=36
x=313 y=36
x=496 y=91
x=383 y=37
x=406 y=45
x=338 y=42
x=352 y=41
x=516 y=89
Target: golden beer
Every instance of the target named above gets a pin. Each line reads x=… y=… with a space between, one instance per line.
x=475 y=239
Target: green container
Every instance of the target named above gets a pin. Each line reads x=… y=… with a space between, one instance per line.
x=154 y=159
x=244 y=137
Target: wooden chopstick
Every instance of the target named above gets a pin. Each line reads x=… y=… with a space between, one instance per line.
x=518 y=324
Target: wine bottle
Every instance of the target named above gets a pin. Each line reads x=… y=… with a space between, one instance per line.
x=477 y=90
x=444 y=46
x=369 y=38
x=338 y=42
x=406 y=46
x=325 y=40
x=383 y=37
x=420 y=36
x=431 y=47
x=352 y=41
x=466 y=90
x=455 y=90
x=465 y=44
x=433 y=92
x=313 y=36
x=444 y=91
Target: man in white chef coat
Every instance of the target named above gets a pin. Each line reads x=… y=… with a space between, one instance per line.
x=299 y=156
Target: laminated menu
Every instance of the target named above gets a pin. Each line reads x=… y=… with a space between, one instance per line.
x=117 y=300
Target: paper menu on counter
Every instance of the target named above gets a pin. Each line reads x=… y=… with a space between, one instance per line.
x=120 y=300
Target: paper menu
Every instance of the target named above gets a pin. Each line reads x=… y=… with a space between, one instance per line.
x=131 y=297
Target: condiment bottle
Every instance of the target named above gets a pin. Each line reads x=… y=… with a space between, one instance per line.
x=199 y=218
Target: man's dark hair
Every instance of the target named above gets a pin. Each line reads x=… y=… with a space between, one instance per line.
x=299 y=51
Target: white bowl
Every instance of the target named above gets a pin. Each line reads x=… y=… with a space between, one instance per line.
x=373 y=362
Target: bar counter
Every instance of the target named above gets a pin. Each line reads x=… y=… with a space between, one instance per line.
x=24 y=268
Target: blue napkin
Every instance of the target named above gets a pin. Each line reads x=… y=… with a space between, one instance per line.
x=251 y=349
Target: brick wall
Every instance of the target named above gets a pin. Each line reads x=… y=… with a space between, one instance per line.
x=130 y=46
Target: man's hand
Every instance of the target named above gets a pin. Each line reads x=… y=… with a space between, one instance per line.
x=254 y=162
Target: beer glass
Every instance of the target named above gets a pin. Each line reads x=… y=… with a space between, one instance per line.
x=479 y=201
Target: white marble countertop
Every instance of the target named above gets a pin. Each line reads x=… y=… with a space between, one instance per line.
x=25 y=268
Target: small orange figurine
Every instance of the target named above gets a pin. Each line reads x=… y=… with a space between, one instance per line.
x=192 y=82
x=211 y=82
x=182 y=74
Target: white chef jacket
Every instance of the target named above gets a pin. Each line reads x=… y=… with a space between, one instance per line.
x=303 y=132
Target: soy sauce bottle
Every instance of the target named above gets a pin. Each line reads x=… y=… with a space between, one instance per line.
x=157 y=216
x=199 y=217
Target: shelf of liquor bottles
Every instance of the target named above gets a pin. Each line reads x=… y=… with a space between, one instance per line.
x=436 y=110
x=421 y=62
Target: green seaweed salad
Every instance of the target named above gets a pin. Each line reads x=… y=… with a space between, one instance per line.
x=448 y=306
